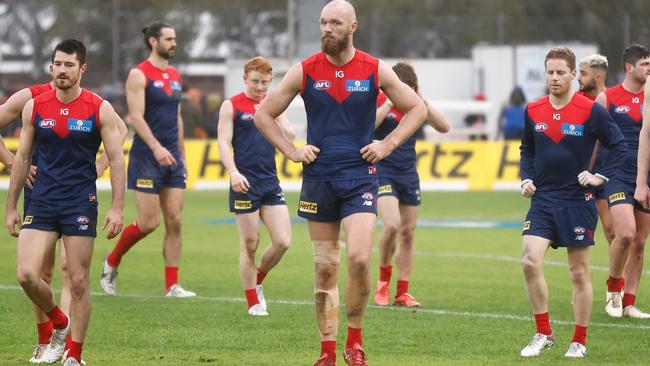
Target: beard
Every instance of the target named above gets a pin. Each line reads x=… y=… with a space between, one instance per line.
x=166 y=54
x=65 y=84
x=332 y=47
x=588 y=87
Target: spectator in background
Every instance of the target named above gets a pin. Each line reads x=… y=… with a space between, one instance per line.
x=511 y=122
x=212 y=105
x=191 y=112
x=477 y=121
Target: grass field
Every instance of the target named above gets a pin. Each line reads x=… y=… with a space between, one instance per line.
x=469 y=281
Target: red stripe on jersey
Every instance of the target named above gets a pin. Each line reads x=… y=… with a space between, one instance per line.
x=549 y=120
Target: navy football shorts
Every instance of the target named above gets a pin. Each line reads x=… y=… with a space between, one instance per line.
x=80 y=220
x=328 y=201
x=261 y=193
x=619 y=191
x=405 y=189
x=146 y=175
x=563 y=226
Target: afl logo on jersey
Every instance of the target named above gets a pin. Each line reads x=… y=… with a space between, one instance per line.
x=322 y=85
x=47 y=123
x=83 y=220
x=247 y=116
x=541 y=127
x=158 y=83
x=622 y=109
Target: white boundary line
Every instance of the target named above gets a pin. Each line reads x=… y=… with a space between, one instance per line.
x=465 y=314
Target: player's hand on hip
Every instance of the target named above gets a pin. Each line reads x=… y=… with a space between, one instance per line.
x=13 y=220
x=114 y=221
x=163 y=156
x=31 y=176
x=304 y=154
x=239 y=183
x=376 y=151
x=642 y=195
x=587 y=179
x=528 y=189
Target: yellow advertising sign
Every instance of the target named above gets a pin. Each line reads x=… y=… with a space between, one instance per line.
x=472 y=165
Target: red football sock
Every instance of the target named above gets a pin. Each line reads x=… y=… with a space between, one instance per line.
x=68 y=342
x=260 y=277
x=75 y=350
x=251 y=297
x=354 y=336
x=171 y=277
x=402 y=287
x=385 y=272
x=580 y=335
x=44 y=332
x=329 y=348
x=615 y=284
x=543 y=323
x=58 y=318
x=628 y=300
x=130 y=235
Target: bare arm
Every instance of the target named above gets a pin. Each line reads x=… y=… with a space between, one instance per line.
x=112 y=139
x=9 y=112
x=405 y=99
x=642 y=193
x=382 y=112
x=436 y=119
x=181 y=135
x=225 y=128
x=135 y=99
x=102 y=163
x=22 y=163
x=272 y=107
x=286 y=126
x=602 y=100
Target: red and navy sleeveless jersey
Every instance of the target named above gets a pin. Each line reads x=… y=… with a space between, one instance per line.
x=557 y=146
x=37 y=90
x=254 y=154
x=341 y=103
x=68 y=138
x=162 y=97
x=402 y=160
x=627 y=111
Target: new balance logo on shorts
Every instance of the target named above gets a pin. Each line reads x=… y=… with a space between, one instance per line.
x=308 y=207
x=368 y=199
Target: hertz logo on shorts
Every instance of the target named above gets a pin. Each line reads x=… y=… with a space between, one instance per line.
x=243 y=204
x=526 y=225
x=309 y=207
x=616 y=197
x=28 y=220
x=385 y=189
x=144 y=183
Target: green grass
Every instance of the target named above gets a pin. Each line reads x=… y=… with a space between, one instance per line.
x=468 y=280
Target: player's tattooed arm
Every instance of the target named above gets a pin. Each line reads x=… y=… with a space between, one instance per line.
x=225 y=126
x=135 y=99
x=22 y=163
x=272 y=107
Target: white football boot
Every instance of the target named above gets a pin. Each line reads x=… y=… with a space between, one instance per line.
x=537 y=344
x=576 y=350
x=108 y=279
x=614 y=305
x=178 y=291
x=257 y=310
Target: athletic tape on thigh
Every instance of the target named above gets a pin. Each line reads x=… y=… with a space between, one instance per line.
x=327 y=310
x=326 y=251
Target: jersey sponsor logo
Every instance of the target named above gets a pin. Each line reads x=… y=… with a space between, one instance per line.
x=83 y=220
x=616 y=197
x=322 y=85
x=144 y=183
x=175 y=85
x=247 y=116
x=623 y=109
x=165 y=76
x=339 y=74
x=243 y=204
x=28 y=220
x=47 y=123
x=385 y=189
x=81 y=125
x=526 y=225
x=158 y=84
x=352 y=86
x=541 y=127
x=573 y=130
x=308 y=207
